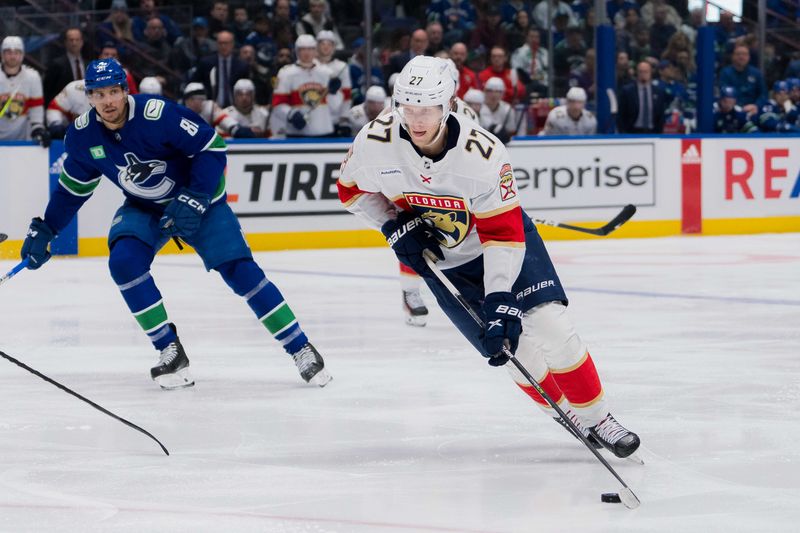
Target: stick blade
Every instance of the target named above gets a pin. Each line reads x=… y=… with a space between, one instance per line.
x=628 y=498
x=3 y=237
x=625 y=215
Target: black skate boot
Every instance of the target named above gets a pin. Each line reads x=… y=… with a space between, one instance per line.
x=311 y=366
x=172 y=370
x=414 y=307
x=614 y=437
x=585 y=432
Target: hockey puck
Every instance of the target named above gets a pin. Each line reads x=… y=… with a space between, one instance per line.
x=610 y=497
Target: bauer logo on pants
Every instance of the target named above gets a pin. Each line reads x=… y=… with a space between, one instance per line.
x=447 y=214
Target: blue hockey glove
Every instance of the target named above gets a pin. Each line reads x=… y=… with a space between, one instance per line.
x=503 y=325
x=36 y=241
x=184 y=213
x=41 y=136
x=334 y=85
x=242 y=132
x=409 y=237
x=295 y=118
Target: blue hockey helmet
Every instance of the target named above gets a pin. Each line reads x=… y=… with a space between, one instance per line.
x=780 y=87
x=727 y=92
x=105 y=73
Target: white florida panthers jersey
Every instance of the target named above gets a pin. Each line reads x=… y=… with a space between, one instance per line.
x=21 y=104
x=467 y=192
x=68 y=104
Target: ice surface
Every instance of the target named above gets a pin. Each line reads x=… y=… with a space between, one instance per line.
x=696 y=339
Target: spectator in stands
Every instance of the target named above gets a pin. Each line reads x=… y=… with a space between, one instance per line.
x=679 y=42
x=283 y=11
x=639 y=48
x=684 y=61
x=188 y=50
x=615 y=6
x=675 y=96
x=474 y=99
x=339 y=87
x=794 y=91
x=568 y=55
x=375 y=102
x=588 y=27
x=624 y=70
x=572 y=118
x=726 y=31
x=21 y=96
x=467 y=79
x=649 y=16
x=509 y=10
x=793 y=68
x=498 y=67
x=531 y=59
x=690 y=27
x=155 y=40
x=559 y=8
x=117 y=28
x=435 y=38
x=259 y=74
x=661 y=30
x=746 y=79
x=641 y=104
x=317 y=20
x=489 y=33
x=242 y=26
x=728 y=117
x=218 y=18
x=299 y=108
x=218 y=72
x=358 y=76
x=246 y=112
x=517 y=30
x=453 y=15
x=65 y=67
x=583 y=75
x=261 y=36
x=418 y=45
x=109 y=50
x=778 y=114
x=194 y=97
x=148 y=10
x=773 y=64
x=496 y=115
x=627 y=23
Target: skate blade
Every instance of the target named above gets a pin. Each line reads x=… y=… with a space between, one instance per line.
x=418 y=321
x=321 y=378
x=634 y=458
x=180 y=379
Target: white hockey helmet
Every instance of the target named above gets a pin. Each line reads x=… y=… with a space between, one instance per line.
x=576 y=94
x=305 y=41
x=474 y=96
x=424 y=81
x=495 y=84
x=451 y=65
x=150 y=85
x=244 y=85
x=194 y=89
x=13 y=42
x=376 y=94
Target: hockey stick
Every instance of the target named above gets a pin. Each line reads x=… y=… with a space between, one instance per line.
x=14 y=271
x=625 y=494
x=3 y=237
x=627 y=212
x=90 y=402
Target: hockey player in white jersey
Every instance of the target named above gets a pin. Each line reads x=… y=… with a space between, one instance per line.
x=70 y=103
x=460 y=106
x=374 y=103
x=496 y=115
x=300 y=101
x=21 y=97
x=340 y=88
x=245 y=111
x=429 y=179
x=194 y=97
x=571 y=118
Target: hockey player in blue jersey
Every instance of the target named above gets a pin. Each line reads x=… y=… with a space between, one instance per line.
x=170 y=166
x=729 y=117
x=778 y=115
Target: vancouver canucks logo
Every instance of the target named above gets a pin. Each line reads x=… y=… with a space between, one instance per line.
x=447 y=214
x=136 y=174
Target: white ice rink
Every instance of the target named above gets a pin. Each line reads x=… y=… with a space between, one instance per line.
x=697 y=341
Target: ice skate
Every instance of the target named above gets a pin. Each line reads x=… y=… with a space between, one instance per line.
x=172 y=370
x=618 y=440
x=584 y=431
x=414 y=308
x=311 y=366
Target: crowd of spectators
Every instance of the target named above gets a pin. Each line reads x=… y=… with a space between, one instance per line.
x=277 y=68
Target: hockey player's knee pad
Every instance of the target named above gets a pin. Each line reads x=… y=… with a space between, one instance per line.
x=241 y=275
x=553 y=333
x=129 y=259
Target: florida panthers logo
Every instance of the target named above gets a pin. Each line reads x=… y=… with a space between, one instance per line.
x=136 y=174
x=312 y=94
x=449 y=215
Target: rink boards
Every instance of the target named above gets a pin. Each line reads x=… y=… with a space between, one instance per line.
x=284 y=192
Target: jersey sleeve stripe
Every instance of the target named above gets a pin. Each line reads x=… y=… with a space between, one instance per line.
x=78 y=188
x=498 y=211
x=506 y=244
x=278 y=99
x=220 y=189
x=216 y=144
x=504 y=229
x=348 y=193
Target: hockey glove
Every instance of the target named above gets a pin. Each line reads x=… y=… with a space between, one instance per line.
x=503 y=326
x=36 y=242
x=409 y=237
x=57 y=131
x=184 y=213
x=41 y=136
x=342 y=130
x=295 y=118
x=334 y=85
x=242 y=132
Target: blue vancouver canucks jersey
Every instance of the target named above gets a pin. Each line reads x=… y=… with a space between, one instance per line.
x=162 y=148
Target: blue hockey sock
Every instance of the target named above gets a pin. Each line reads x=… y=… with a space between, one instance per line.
x=129 y=264
x=247 y=280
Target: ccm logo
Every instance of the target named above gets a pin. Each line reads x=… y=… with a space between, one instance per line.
x=191 y=202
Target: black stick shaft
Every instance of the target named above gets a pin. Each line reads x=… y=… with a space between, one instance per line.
x=622 y=217
x=570 y=424
x=87 y=400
